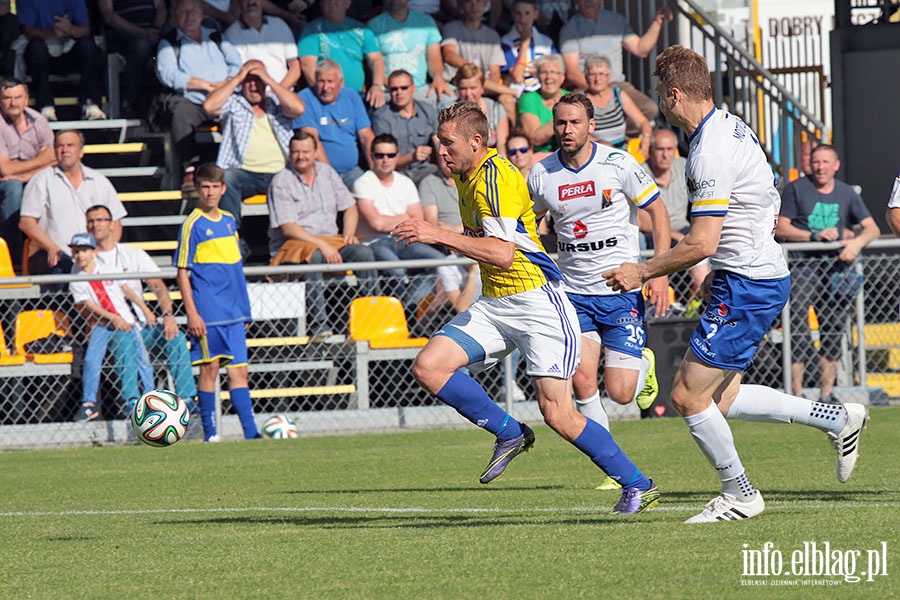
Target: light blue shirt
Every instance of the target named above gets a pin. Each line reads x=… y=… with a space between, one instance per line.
x=337 y=124
x=404 y=45
x=346 y=44
x=206 y=60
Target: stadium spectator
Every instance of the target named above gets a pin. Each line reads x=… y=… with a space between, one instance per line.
x=552 y=15
x=267 y=39
x=536 y=108
x=892 y=215
x=214 y=290
x=304 y=200
x=164 y=341
x=522 y=45
x=347 y=42
x=667 y=170
x=439 y=199
x=105 y=305
x=59 y=39
x=821 y=208
x=613 y=107
x=519 y=152
x=132 y=30
x=54 y=203
x=220 y=14
x=386 y=198
x=9 y=31
x=467 y=40
x=26 y=147
x=469 y=81
x=337 y=118
x=412 y=122
x=256 y=130
x=410 y=41
x=523 y=305
x=733 y=205
x=596 y=31
x=192 y=60
x=292 y=12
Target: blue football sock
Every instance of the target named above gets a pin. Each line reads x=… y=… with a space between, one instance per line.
x=207 y=402
x=471 y=401
x=243 y=406
x=599 y=445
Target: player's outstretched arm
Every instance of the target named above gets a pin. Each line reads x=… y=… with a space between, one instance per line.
x=489 y=250
x=699 y=243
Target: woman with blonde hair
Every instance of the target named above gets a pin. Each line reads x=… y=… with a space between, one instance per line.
x=469 y=82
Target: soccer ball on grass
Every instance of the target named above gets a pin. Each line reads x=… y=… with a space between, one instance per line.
x=160 y=418
x=280 y=427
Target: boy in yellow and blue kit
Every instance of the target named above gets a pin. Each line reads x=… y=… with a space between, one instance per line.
x=214 y=289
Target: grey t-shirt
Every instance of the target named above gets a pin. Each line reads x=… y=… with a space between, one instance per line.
x=435 y=191
x=675 y=195
x=478 y=46
x=602 y=37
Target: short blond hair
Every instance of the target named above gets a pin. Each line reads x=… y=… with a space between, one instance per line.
x=682 y=68
x=468 y=118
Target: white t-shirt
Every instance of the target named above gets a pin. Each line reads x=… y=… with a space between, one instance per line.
x=273 y=44
x=894 y=201
x=594 y=212
x=728 y=175
x=389 y=201
x=128 y=259
x=107 y=294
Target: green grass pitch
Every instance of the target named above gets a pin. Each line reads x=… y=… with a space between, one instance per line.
x=403 y=516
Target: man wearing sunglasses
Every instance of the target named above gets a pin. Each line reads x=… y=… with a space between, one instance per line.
x=412 y=122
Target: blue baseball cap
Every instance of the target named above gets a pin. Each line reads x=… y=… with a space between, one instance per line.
x=83 y=240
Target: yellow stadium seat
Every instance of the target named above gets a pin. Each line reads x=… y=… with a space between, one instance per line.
x=380 y=321
x=36 y=324
x=6 y=268
x=634 y=149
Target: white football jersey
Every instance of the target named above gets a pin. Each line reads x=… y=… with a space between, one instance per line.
x=594 y=211
x=728 y=176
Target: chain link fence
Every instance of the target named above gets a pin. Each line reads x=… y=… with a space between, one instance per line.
x=330 y=382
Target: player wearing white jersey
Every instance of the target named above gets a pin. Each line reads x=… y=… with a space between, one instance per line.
x=733 y=210
x=593 y=193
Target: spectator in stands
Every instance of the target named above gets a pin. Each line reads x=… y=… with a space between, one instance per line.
x=386 y=198
x=9 y=31
x=304 y=201
x=410 y=41
x=105 y=304
x=596 y=31
x=292 y=12
x=256 y=130
x=667 y=170
x=192 y=61
x=163 y=340
x=469 y=82
x=267 y=39
x=522 y=45
x=519 y=152
x=613 y=107
x=439 y=199
x=412 y=122
x=214 y=291
x=132 y=30
x=347 y=42
x=536 y=108
x=26 y=147
x=469 y=41
x=54 y=203
x=821 y=208
x=337 y=118
x=553 y=14
x=59 y=39
x=220 y=14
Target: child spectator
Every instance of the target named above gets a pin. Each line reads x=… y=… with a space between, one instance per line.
x=111 y=320
x=214 y=290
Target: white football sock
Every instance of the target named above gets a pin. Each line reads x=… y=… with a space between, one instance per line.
x=768 y=405
x=592 y=408
x=713 y=435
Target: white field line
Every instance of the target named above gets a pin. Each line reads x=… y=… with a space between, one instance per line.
x=414 y=510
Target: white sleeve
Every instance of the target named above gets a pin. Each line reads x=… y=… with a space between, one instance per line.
x=894 y=201
x=710 y=181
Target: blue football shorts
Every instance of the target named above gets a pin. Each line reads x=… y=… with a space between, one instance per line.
x=738 y=315
x=617 y=318
x=228 y=343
